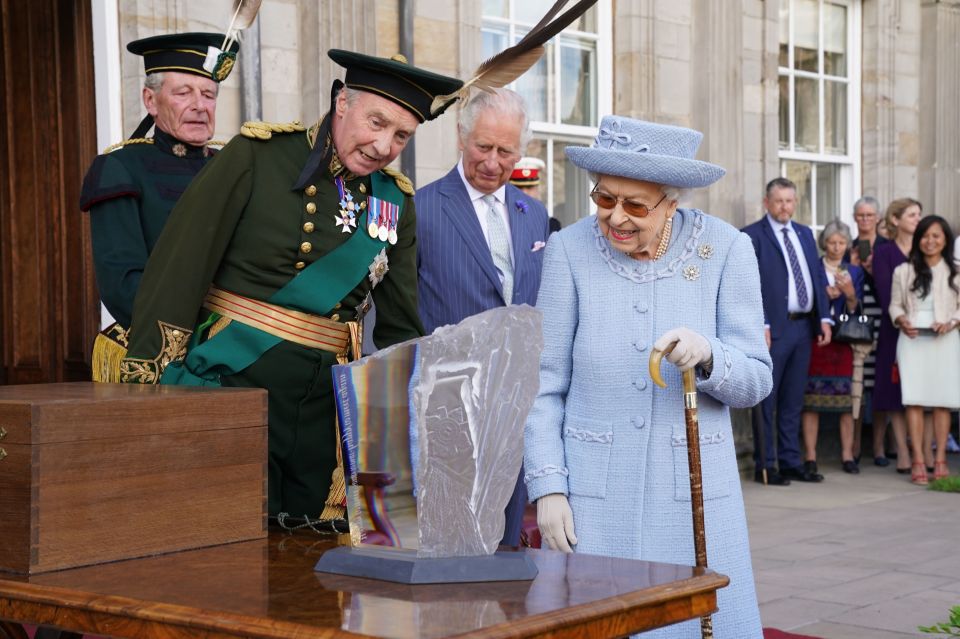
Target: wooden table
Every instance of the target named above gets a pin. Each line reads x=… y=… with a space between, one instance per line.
x=267 y=588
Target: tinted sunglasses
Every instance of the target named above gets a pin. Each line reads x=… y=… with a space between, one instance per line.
x=630 y=207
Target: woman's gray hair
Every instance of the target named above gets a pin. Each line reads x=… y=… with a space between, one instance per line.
x=834 y=227
x=153 y=81
x=503 y=101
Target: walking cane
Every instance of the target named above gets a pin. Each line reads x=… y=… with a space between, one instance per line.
x=693 y=463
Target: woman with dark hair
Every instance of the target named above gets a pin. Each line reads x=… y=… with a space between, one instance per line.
x=925 y=306
x=900 y=221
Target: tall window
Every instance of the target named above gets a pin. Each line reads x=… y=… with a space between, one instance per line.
x=566 y=92
x=819 y=106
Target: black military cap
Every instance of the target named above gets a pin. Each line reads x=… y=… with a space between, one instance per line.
x=196 y=53
x=395 y=79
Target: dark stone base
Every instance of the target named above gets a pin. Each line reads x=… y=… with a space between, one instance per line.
x=403 y=566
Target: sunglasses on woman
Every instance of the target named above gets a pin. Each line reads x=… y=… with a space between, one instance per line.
x=630 y=207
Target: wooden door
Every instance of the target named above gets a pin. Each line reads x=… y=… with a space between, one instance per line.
x=49 y=308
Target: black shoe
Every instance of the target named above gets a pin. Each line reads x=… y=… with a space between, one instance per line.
x=851 y=467
x=881 y=461
x=808 y=473
x=773 y=478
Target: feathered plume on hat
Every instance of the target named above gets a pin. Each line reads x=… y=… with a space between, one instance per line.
x=508 y=65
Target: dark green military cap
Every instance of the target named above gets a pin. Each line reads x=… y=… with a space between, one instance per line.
x=196 y=53
x=393 y=78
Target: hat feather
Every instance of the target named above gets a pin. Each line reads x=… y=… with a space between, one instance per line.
x=244 y=13
x=508 y=65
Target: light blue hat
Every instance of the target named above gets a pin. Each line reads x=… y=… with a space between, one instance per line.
x=646 y=151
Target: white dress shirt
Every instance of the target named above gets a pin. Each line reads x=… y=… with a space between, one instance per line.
x=480 y=207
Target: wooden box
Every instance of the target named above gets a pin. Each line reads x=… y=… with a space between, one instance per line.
x=91 y=473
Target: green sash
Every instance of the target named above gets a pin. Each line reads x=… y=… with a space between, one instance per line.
x=316 y=289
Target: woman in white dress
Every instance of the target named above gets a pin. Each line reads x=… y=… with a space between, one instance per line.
x=925 y=306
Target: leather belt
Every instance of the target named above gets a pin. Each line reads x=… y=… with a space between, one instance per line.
x=799 y=316
x=312 y=331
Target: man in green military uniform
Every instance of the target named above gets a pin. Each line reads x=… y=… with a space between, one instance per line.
x=271 y=256
x=131 y=188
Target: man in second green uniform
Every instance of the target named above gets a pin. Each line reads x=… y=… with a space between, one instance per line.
x=270 y=256
x=131 y=188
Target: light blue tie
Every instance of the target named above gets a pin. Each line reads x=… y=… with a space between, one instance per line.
x=499 y=245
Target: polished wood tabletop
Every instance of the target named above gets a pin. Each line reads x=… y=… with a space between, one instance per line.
x=267 y=588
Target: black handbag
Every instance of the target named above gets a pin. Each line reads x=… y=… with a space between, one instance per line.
x=855 y=328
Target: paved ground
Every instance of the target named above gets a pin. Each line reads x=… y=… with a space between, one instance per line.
x=859 y=556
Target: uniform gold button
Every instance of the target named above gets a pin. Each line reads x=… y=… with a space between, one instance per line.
x=311 y=208
x=310 y=190
x=338 y=305
x=176 y=333
x=299 y=265
x=308 y=227
x=363 y=188
x=306 y=247
x=335 y=317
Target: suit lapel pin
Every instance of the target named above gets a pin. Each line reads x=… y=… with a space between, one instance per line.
x=521 y=206
x=705 y=251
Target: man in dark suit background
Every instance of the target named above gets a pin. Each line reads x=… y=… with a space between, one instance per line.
x=796 y=310
x=480 y=240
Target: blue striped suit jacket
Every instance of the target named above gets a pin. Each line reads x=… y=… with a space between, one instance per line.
x=456 y=272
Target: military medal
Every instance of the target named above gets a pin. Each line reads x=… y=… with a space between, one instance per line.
x=382 y=219
x=392 y=226
x=346 y=217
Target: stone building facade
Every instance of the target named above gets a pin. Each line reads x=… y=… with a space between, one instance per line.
x=718 y=67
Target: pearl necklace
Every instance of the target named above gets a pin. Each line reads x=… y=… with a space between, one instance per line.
x=664 y=239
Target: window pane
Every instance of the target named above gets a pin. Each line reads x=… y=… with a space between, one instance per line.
x=577 y=83
x=807 y=113
x=835 y=117
x=496 y=8
x=834 y=39
x=784 y=112
x=784 y=32
x=828 y=193
x=800 y=173
x=536 y=87
x=493 y=40
x=806 y=35
x=530 y=11
x=571 y=187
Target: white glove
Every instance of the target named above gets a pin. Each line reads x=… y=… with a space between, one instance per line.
x=555 y=520
x=691 y=349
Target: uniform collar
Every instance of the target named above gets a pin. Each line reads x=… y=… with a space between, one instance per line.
x=169 y=144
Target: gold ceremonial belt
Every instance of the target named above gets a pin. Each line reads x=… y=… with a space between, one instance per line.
x=305 y=329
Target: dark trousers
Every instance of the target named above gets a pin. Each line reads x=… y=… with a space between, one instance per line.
x=514 y=513
x=301 y=434
x=790 y=353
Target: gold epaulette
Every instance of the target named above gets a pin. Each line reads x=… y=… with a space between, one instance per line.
x=265 y=130
x=403 y=182
x=220 y=143
x=120 y=145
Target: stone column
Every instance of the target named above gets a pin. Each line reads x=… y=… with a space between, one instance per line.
x=890 y=108
x=332 y=24
x=939 y=155
x=717 y=101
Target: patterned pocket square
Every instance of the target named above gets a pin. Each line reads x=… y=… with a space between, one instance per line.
x=538 y=245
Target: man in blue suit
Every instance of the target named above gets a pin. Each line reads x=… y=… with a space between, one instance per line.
x=796 y=311
x=480 y=240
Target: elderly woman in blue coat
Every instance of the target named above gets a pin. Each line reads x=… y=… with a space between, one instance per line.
x=605 y=452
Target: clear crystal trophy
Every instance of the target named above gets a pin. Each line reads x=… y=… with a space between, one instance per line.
x=443 y=416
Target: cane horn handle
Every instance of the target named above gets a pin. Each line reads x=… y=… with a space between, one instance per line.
x=655 y=357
